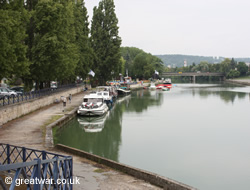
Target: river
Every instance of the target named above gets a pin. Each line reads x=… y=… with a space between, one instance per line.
x=198 y=134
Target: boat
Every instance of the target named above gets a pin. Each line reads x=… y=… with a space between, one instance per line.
x=165 y=89
x=124 y=89
x=109 y=93
x=93 y=124
x=167 y=84
x=93 y=105
x=152 y=86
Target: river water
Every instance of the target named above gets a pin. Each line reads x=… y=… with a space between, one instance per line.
x=198 y=134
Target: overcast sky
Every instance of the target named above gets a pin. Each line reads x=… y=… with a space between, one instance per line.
x=191 y=27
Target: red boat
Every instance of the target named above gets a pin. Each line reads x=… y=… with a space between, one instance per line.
x=166 y=84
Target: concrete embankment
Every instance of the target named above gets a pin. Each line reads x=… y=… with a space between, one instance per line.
x=152 y=178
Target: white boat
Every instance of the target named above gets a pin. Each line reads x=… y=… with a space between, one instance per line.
x=152 y=86
x=93 y=105
x=109 y=93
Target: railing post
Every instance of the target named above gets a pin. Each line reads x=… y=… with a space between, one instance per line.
x=71 y=173
x=44 y=153
x=56 y=173
x=37 y=176
x=8 y=154
x=24 y=154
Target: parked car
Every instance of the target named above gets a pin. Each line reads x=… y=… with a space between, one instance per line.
x=18 y=89
x=53 y=87
x=7 y=92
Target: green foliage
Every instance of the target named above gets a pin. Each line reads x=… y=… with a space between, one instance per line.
x=233 y=73
x=225 y=66
x=54 y=52
x=242 y=68
x=105 y=41
x=141 y=64
x=13 y=21
x=85 y=52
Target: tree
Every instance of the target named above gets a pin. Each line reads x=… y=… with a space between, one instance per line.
x=233 y=73
x=141 y=64
x=225 y=66
x=233 y=64
x=105 y=41
x=54 y=52
x=242 y=68
x=13 y=22
x=85 y=52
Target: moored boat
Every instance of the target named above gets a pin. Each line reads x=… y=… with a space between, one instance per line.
x=109 y=93
x=93 y=105
x=167 y=84
x=152 y=86
x=124 y=89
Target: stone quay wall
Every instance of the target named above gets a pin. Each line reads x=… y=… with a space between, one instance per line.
x=160 y=181
x=14 y=111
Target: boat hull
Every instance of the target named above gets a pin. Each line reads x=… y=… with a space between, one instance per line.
x=123 y=92
x=93 y=111
x=164 y=86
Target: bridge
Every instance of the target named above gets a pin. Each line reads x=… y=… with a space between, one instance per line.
x=193 y=75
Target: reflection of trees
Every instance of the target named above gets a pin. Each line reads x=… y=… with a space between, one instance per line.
x=105 y=143
x=227 y=96
x=143 y=99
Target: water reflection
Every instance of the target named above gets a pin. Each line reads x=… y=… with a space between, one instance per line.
x=143 y=99
x=93 y=124
x=196 y=134
x=102 y=135
x=227 y=93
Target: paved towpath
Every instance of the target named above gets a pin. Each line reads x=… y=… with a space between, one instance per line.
x=28 y=131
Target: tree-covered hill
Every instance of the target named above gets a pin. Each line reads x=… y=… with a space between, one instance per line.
x=177 y=60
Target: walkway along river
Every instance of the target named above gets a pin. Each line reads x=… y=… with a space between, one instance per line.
x=198 y=134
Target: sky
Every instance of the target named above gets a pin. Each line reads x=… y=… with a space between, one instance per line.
x=190 y=27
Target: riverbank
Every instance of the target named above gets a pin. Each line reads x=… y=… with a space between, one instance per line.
x=30 y=131
x=239 y=81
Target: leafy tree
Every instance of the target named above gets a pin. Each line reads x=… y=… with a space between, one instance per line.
x=141 y=64
x=225 y=66
x=105 y=41
x=233 y=64
x=54 y=52
x=85 y=52
x=233 y=73
x=13 y=21
x=242 y=68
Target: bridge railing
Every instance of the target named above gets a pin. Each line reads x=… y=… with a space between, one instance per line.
x=35 y=169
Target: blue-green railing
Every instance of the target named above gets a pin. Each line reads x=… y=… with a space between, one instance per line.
x=34 y=169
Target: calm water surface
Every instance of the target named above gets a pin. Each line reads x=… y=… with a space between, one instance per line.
x=198 y=134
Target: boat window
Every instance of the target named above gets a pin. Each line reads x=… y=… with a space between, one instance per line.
x=99 y=93
x=106 y=94
x=94 y=100
x=85 y=100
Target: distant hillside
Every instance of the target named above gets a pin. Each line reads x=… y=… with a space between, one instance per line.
x=178 y=60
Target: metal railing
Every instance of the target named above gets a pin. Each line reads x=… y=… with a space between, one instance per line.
x=26 y=96
x=36 y=169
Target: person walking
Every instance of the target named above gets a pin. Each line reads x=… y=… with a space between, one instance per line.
x=70 y=98
x=64 y=100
